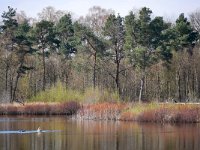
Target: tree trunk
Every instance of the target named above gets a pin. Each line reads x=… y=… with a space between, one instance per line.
x=7 y=69
x=117 y=62
x=142 y=80
x=15 y=87
x=158 y=87
x=54 y=77
x=168 y=90
x=196 y=83
x=11 y=87
x=35 y=87
x=18 y=76
x=44 y=70
x=66 y=80
x=117 y=82
x=178 y=82
x=94 y=70
x=184 y=94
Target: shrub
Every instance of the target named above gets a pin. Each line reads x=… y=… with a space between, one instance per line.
x=102 y=111
x=67 y=108
x=162 y=113
x=70 y=108
x=59 y=93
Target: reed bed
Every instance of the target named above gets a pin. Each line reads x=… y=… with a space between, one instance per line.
x=163 y=113
x=153 y=112
x=39 y=108
x=102 y=111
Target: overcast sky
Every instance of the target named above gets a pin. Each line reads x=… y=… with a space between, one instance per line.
x=169 y=8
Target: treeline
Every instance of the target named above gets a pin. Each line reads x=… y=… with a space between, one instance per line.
x=142 y=58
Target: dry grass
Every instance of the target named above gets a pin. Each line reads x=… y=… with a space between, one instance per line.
x=169 y=113
x=102 y=111
x=67 y=108
x=153 y=112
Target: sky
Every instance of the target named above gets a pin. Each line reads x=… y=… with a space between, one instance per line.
x=167 y=8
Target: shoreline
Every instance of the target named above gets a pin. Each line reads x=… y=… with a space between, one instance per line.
x=40 y=108
x=145 y=112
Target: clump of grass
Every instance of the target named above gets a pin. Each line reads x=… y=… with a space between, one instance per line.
x=128 y=116
x=102 y=111
x=136 y=109
x=96 y=96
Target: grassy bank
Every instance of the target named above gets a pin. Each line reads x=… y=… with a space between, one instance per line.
x=67 y=108
x=153 y=112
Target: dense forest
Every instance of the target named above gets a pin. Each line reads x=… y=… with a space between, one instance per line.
x=141 y=57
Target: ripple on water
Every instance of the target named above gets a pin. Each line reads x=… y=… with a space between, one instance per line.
x=27 y=131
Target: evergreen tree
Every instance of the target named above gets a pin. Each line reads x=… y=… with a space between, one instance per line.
x=65 y=34
x=144 y=42
x=114 y=31
x=8 y=29
x=186 y=37
x=46 y=41
x=23 y=49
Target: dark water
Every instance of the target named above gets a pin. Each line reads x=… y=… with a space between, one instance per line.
x=67 y=134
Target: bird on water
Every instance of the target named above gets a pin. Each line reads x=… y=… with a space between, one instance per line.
x=22 y=130
x=39 y=130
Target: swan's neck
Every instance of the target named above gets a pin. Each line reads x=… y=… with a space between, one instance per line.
x=38 y=130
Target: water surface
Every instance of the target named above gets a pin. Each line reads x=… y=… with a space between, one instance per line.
x=62 y=133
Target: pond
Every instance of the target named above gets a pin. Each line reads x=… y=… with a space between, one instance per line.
x=62 y=133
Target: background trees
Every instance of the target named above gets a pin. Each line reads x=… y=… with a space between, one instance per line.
x=114 y=32
x=144 y=42
x=22 y=49
x=138 y=56
x=8 y=30
x=195 y=20
x=46 y=41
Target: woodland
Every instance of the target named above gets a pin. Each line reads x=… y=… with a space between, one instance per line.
x=139 y=57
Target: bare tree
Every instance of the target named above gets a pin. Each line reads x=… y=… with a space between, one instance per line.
x=51 y=14
x=96 y=19
x=195 y=20
x=21 y=17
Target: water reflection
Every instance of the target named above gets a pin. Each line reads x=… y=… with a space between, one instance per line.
x=26 y=131
x=98 y=135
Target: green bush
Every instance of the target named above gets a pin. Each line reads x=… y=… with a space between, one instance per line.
x=59 y=93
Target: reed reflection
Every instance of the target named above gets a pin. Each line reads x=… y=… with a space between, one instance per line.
x=98 y=135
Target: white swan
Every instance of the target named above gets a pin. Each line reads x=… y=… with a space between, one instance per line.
x=39 y=130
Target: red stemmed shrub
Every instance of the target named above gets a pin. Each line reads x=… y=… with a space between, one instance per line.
x=102 y=111
x=67 y=108
x=70 y=108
